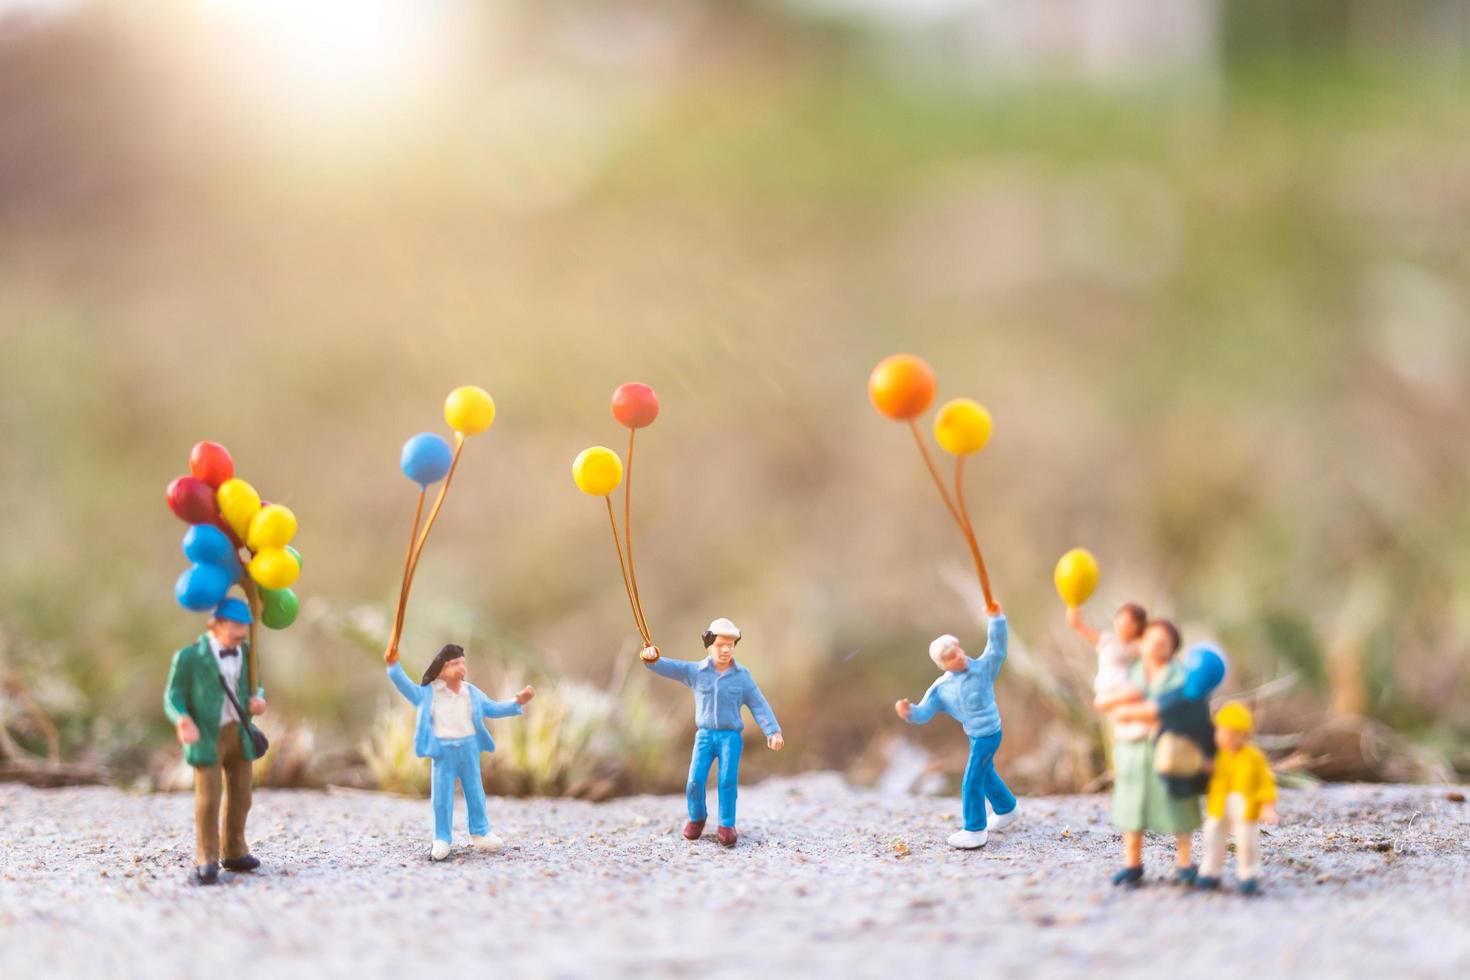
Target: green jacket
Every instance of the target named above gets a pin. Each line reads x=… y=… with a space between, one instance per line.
x=194 y=690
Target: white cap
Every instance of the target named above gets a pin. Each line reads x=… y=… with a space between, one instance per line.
x=723 y=627
x=940 y=647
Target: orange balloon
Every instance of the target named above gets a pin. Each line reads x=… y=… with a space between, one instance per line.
x=902 y=386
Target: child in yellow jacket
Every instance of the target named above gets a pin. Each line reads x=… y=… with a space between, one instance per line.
x=1241 y=794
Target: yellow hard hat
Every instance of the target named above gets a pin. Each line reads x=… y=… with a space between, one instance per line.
x=1236 y=717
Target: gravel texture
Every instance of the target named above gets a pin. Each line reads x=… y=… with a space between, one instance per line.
x=1366 y=881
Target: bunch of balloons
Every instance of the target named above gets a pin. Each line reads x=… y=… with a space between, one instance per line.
x=1076 y=577
x=426 y=459
x=902 y=387
x=234 y=537
x=597 y=472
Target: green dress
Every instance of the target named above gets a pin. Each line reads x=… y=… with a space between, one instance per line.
x=1140 y=799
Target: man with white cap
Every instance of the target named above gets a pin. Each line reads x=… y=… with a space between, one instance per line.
x=721 y=686
x=966 y=692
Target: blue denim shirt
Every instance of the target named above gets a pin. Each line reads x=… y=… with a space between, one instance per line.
x=717 y=696
x=969 y=696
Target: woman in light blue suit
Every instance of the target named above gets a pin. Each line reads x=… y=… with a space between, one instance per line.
x=450 y=731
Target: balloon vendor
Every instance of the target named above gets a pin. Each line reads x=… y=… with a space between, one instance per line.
x=1142 y=800
x=449 y=731
x=214 y=685
x=966 y=692
x=721 y=688
x=1241 y=795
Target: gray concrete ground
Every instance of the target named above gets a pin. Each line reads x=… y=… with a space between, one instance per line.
x=1367 y=881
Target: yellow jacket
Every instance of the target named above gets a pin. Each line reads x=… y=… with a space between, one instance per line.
x=1245 y=772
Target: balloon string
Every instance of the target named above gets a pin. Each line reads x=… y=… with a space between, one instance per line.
x=934 y=475
x=617 y=543
x=418 y=550
x=252 y=599
x=969 y=529
x=418 y=513
x=628 y=542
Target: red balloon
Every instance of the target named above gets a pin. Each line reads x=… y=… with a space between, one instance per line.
x=635 y=405
x=192 y=500
x=211 y=462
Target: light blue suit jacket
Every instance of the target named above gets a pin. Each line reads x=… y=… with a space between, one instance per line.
x=425 y=743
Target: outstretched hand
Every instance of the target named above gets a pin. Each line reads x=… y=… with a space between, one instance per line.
x=649 y=654
x=993 y=609
x=527 y=693
x=390 y=656
x=903 y=707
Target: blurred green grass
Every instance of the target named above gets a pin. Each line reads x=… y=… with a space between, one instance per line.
x=1220 y=322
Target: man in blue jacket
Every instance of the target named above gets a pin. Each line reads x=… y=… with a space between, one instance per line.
x=721 y=686
x=450 y=731
x=966 y=692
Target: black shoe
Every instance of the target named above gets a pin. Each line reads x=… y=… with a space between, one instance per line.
x=1250 y=887
x=206 y=874
x=247 y=863
x=1206 y=884
x=1128 y=877
x=1182 y=876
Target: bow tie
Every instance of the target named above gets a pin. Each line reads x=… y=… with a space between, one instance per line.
x=230 y=652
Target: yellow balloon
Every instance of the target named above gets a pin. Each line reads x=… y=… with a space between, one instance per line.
x=274 y=568
x=469 y=410
x=598 y=471
x=238 y=505
x=272 y=527
x=1076 y=576
x=962 y=426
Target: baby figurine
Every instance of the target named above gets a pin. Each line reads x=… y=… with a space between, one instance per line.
x=1117 y=650
x=1241 y=796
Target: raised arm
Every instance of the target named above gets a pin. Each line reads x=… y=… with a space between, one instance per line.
x=413 y=692
x=502 y=709
x=995 y=645
x=676 y=670
x=1080 y=627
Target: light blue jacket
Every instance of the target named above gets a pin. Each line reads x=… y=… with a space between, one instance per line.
x=425 y=743
x=969 y=696
x=717 y=696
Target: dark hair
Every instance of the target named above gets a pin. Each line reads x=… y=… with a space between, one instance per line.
x=448 y=652
x=1136 y=613
x=709 y=638
x=1173 y=632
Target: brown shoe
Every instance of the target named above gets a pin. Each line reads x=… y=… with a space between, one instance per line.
x=726 y=836
x=693 y=829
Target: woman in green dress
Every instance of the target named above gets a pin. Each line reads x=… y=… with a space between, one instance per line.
x=1141 y=801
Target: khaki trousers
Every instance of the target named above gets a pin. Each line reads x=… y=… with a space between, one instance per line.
x=1247 y=842
x=229 y=777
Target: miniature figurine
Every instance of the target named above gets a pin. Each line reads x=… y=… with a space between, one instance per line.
x=1241 y=795
x=720 y=687
x=450 y=731
x=1117 y=649
x=1184 y=747
x=1141 y=799
x=206 y=690
x=966 y=692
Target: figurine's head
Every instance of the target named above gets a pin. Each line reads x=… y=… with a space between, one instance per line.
x=720 y=640
x=1160 y=641
x=948 y=655
x=448 y=665
x=1129 y=621
x=1233 y=726
x=230 y=622
x=1204 y=669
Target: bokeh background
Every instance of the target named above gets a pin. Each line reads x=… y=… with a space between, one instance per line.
x=1205 y=262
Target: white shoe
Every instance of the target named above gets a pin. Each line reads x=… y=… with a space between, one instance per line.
x=490 y=842
x=440 y=851
x=967 y=839
x=1000 y=821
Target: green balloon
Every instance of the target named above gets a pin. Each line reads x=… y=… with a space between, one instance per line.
x=278 y=608
x=294 y=554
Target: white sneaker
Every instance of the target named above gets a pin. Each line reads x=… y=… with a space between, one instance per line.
x=490 y=842
x=1000 y=821
x=967 y=839
x=440 y=851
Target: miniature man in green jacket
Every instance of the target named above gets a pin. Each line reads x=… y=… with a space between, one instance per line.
x=215 y=743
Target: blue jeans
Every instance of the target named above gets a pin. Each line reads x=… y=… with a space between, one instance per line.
x=983 y=783
x=711 y=744
x=458 y=759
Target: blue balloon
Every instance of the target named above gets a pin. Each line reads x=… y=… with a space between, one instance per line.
x=1204 y=669
x=205 y=544
x=202 y=587
x=426 y=458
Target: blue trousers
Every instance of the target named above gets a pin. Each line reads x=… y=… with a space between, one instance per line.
x=458 y=759
x=711 y=744
x=983 y=783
